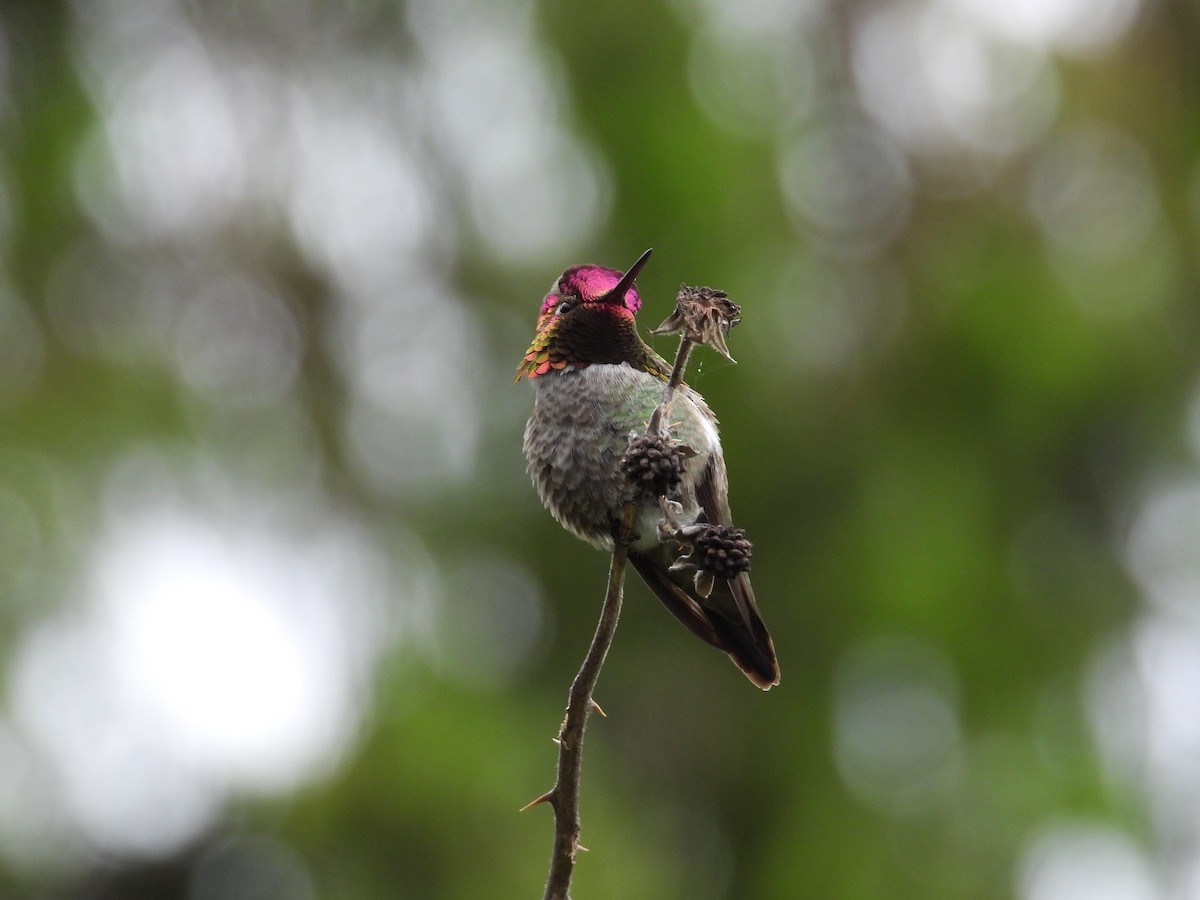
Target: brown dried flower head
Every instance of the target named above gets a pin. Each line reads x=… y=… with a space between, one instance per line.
x=654 y=465
x=702 y=315
x=713 y=551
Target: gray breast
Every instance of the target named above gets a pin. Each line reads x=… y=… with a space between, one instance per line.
x=578 y=432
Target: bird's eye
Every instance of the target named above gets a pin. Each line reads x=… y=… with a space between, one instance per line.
x=564 y=306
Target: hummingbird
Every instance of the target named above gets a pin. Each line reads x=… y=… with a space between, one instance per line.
x=595 y=382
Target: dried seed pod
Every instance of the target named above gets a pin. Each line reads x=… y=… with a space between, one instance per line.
x=723 y=551
x=703 y=315
x=654 y=464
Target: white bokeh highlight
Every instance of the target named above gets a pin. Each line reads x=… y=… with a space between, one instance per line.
x=222 y=643
x=1085 y=861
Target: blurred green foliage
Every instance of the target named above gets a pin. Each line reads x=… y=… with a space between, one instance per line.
x=298 y=250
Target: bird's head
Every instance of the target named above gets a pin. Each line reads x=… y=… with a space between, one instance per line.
x=587 y=317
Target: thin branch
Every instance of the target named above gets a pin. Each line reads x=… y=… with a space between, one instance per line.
x=676 y=379
x=564 y=796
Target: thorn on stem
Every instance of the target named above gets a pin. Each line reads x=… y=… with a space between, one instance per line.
x=547 y=797
x=592 y=704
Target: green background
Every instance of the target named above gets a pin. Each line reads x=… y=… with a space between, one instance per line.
x=267 y=270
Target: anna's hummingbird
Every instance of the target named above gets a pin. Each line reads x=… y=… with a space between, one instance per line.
x=595 y=382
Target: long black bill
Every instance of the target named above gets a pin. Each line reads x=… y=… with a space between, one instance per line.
x=617 y=294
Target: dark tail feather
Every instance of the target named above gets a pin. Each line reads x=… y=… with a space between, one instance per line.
x=728 y=618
